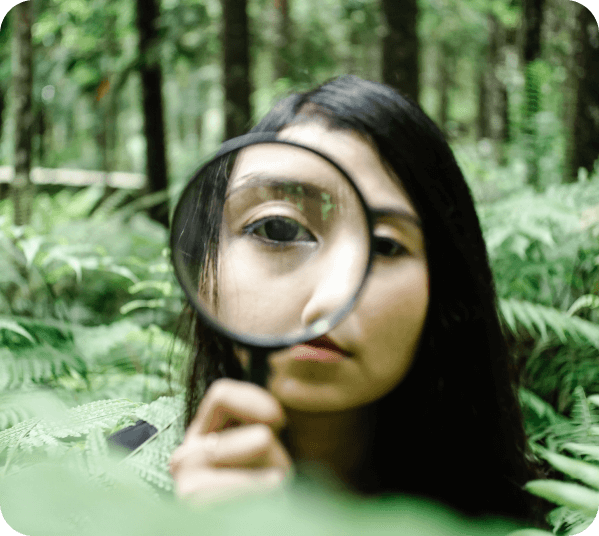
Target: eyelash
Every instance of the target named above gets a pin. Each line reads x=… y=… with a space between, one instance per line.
x=400 y=249
x=397 y=249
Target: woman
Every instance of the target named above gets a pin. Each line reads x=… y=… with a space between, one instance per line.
x=426 y=403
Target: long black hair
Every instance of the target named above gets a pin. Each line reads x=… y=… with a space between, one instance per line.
x=452 y=430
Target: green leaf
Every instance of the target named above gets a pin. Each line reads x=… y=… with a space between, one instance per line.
x=30 y=248
x=584 y=301
x=587 y=450
x=579 y=470
x=566 y=494
x=164 y=287
x=141 y=304
x=13 y=326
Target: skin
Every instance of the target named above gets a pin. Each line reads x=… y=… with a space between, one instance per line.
x=232 y=446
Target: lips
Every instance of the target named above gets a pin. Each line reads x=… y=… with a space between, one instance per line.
x=327 y=344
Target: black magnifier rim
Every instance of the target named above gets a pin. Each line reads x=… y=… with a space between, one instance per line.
x=254 y=341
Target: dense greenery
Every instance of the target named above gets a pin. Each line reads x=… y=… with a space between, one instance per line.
x=89 y=309
x=90 y=306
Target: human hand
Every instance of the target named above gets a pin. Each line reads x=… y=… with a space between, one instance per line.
x=231 y=446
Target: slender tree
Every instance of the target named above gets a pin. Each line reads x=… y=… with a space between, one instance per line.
x=283 y=59
x=236 y=72
x=584 y=128
x=531 y=25
x=148 y=12
x=444 y=73
x=492 y=106
x=400 y=46
x=22 y=85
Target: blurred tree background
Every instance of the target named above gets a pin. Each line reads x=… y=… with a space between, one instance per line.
x=108 y=106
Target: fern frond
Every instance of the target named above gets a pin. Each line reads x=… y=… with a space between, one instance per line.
x=82 y=419
x=566 y=494
x=23 y=404
x=569 y=521
x=75 y=422
x=162 y=412
x=38 y=364
x=585 y=472
x=581 y=411
x=150 y=460
x=538 y=319
x=96 y=451
x=590 y=451
x=11 y=325
x=96 y=341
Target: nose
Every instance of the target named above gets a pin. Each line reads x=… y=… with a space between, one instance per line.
x=337 y=281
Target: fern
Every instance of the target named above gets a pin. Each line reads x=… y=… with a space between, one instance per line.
x=578 y=501
x=87 y=425
x=74 y=422
x=539 y=320
x=38 y=364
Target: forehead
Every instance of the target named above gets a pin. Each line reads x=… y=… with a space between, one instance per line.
x=359 y=158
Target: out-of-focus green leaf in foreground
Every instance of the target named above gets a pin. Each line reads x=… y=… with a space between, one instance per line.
x=52 y=500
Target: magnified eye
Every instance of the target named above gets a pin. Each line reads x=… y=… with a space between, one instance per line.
x=388 y=247
x=279 y=229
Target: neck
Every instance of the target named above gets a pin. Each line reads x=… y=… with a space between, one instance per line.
x=336 y=442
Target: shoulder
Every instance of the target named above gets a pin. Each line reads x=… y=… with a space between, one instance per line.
x=133 y=436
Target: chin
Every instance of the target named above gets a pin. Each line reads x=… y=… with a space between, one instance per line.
x=310 y=397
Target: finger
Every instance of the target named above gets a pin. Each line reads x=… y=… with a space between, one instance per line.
x=251 y=446
x=210 y=484
x=246 y=446
x=243 y=402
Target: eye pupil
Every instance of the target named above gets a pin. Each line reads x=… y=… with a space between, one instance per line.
x=388 y=247
x=280 y=230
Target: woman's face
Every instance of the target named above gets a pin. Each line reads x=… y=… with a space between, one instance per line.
x=381 y=333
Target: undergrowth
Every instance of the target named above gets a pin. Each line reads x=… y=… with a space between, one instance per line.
x=88 y=316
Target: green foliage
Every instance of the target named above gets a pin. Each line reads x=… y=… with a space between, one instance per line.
x=65 y=467
x=67 y=282
x=540 y=320
x=79 y=435
x=75 y=507
x=546 y=250
x=552 y=436
x=88 y=304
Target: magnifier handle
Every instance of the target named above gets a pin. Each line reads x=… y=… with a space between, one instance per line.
x=259 y=369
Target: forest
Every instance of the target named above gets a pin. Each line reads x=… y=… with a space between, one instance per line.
x=107 y=108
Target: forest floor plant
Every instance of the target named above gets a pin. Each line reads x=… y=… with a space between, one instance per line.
x=89 y=308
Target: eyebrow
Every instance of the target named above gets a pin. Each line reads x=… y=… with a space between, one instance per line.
x=398 y=213
x=257 y=180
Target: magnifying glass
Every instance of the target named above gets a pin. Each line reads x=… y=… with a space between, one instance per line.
x=271 y=242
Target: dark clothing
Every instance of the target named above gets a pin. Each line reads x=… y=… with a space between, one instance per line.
x=133 y=436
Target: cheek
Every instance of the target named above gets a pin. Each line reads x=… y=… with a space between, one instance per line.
x=394 y=315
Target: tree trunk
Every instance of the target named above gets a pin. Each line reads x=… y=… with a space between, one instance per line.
x=283 y=58
x=151 y=81
x=532 y=23
x=492 y=106
x=400 y=47
x=236 y=67
x=41 y=133
x=584 y=145
x=444 y=57
x=22 y=82
x=482 y=122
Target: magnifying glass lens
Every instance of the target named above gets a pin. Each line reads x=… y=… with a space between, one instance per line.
x=271 y=243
